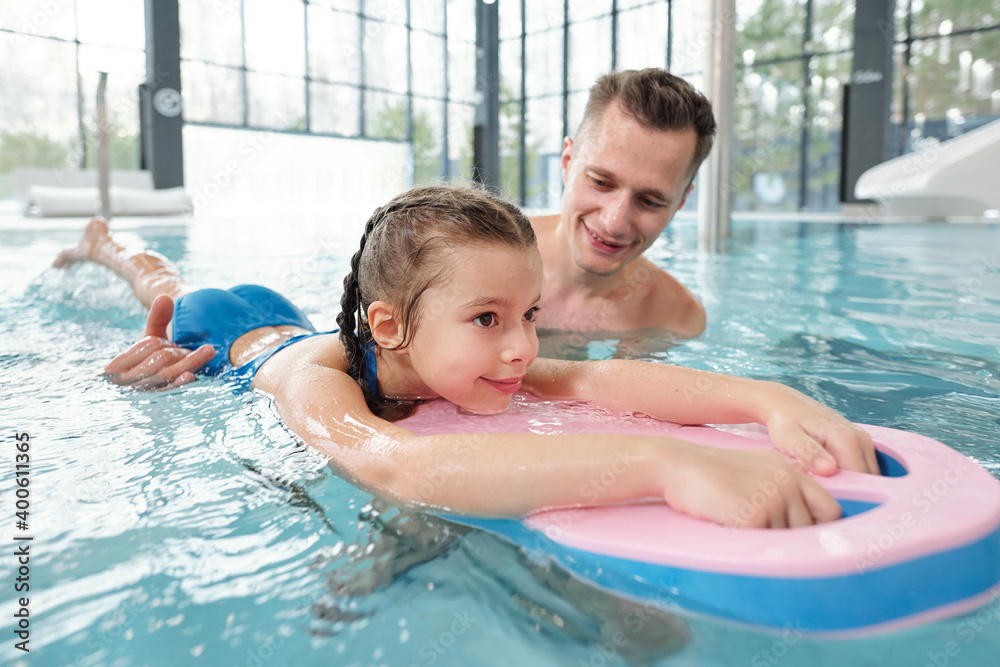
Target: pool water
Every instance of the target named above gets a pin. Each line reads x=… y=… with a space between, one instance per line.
x=189 y=526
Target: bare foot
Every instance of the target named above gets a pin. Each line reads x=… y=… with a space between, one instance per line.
x=94 y=234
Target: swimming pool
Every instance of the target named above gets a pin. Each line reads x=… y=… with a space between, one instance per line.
x=188 y=526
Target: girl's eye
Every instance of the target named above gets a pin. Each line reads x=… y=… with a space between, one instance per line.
x=485 y=320
x=530 y=315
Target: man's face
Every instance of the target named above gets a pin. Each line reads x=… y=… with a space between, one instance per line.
x=622 y=185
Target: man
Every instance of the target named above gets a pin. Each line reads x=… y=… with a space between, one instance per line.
x=625 y=174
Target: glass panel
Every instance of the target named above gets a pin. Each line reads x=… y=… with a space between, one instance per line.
x=770 y=28
x=768 y=138
x=39 y=17
x=510 y=149
x=544 y=52
x=954 y=85
x=335 y=109
x=944 y=17
x=689 y=43
x=642 y=37
x=212 y=94
x=428 y=64
x=385 y=115
x=833 y=25
x=385 y=55
x=346 y=5
x=629 y=4
x=275 y=36
x=577 y=103
x=460 y=121
x=389 y=11
x=428 y=139
x=428 y=15
x=510 y=69
x=126 y=30
x=211 y=32
x=581 y=10
x=42 y=129
x=461 y=21
x=826 y=96
x=333 y=46
x=543 y=15
x=126 y=70
x=461 y=71
x=589 y=52
x=510 y=19
x=543 y=149
x=276 y=101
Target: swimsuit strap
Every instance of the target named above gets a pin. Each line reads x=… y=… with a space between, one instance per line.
x=370 y=365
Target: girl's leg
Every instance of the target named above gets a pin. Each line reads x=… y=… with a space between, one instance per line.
x=149 y=273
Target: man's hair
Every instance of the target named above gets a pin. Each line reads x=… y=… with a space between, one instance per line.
x=657 y=100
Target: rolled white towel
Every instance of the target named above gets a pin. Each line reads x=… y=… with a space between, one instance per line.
x=47 y=201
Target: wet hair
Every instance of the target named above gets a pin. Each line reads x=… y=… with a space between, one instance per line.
x=404 y=251
x=657 y=100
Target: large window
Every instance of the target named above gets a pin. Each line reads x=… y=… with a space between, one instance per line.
x=400 y=71
x=793 y=59
x=52 y=52
x=947 y=70
x=404 y=71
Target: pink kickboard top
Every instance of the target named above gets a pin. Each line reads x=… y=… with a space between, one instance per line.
x=944 y=501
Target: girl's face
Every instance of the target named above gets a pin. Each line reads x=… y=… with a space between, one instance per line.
x=475 y=335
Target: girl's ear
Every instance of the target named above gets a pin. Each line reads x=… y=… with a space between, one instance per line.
x=385 y=326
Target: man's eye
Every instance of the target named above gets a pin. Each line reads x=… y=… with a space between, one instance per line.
x=485 y=320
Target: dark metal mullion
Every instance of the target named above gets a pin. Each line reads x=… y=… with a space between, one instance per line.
x=306 y=79
x=522 y=182
x=670 y=33
x=565 y=71
x=806 y=120
x=445 y=170
x=904 y=126
x=361 y=73
x=80 y=107
x=614 y=34
x=243 y=66
x=409 y=85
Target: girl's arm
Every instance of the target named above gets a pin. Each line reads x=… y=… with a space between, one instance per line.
x=814 y=435
x=501 y=474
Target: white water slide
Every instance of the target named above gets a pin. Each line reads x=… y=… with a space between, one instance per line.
x=956 y=178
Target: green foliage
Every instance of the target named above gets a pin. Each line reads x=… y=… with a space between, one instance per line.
x=390 y=123
x=27 y=149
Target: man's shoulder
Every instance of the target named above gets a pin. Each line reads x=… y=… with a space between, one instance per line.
x=667 y=303
x=544 y=224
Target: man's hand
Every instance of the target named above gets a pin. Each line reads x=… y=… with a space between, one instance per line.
x=154 y=362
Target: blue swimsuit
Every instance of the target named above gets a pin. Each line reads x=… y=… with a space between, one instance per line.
x=218 y=317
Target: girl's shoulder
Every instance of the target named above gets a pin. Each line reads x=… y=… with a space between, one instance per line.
x=322 y=349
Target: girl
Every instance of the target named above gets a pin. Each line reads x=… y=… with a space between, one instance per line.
x=440 y=303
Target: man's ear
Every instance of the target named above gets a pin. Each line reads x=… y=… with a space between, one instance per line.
x=567 y=155
x=685 y=197
x=385 y=325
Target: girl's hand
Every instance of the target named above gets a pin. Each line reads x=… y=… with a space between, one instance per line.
x=154 y=362
x=817 y=438
x=745 y=488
